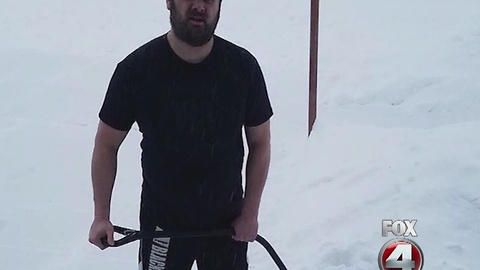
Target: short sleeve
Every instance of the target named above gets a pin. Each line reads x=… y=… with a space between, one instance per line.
x=117 y=110
x=258 y=107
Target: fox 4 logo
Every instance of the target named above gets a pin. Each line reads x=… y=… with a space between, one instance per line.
x=400 y=252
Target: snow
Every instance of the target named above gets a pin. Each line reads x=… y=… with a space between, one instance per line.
x=396 y=135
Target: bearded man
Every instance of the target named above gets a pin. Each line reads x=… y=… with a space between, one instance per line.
x=192 y=93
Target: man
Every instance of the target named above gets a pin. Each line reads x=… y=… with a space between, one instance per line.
x=191 y=94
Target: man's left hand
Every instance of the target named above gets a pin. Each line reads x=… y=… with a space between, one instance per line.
x=246 y=228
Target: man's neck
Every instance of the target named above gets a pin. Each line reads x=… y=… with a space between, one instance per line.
x=189 y=53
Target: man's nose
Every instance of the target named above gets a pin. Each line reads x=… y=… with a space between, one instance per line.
x=198 y=5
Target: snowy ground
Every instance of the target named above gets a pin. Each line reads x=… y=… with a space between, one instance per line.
x=399 y=107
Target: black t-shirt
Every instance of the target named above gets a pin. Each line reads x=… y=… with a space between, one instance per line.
x=191 y=117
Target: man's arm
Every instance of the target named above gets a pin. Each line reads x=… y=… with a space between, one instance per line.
x=258 y=161
x=104 y=169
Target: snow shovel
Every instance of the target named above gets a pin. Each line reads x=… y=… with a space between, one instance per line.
x=131 y=235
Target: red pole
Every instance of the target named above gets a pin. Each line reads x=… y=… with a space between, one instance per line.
x=314 y=25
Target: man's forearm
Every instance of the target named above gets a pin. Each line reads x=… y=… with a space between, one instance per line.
x=104 y=168
x=258 y=162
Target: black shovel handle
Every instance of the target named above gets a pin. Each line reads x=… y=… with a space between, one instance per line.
x=131 y=235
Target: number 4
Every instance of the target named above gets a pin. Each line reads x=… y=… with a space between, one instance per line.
x=404 y=250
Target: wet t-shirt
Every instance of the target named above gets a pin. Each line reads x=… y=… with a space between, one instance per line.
x=191 y=118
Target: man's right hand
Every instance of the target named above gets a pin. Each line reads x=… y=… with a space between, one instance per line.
x=101 y=229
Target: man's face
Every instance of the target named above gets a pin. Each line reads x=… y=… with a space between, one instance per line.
x=194 y=21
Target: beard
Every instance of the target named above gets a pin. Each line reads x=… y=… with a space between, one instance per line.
x=193 y=35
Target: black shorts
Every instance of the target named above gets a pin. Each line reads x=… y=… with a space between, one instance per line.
x=212 y=253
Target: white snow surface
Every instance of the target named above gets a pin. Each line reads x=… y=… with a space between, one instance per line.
x=398 y=114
